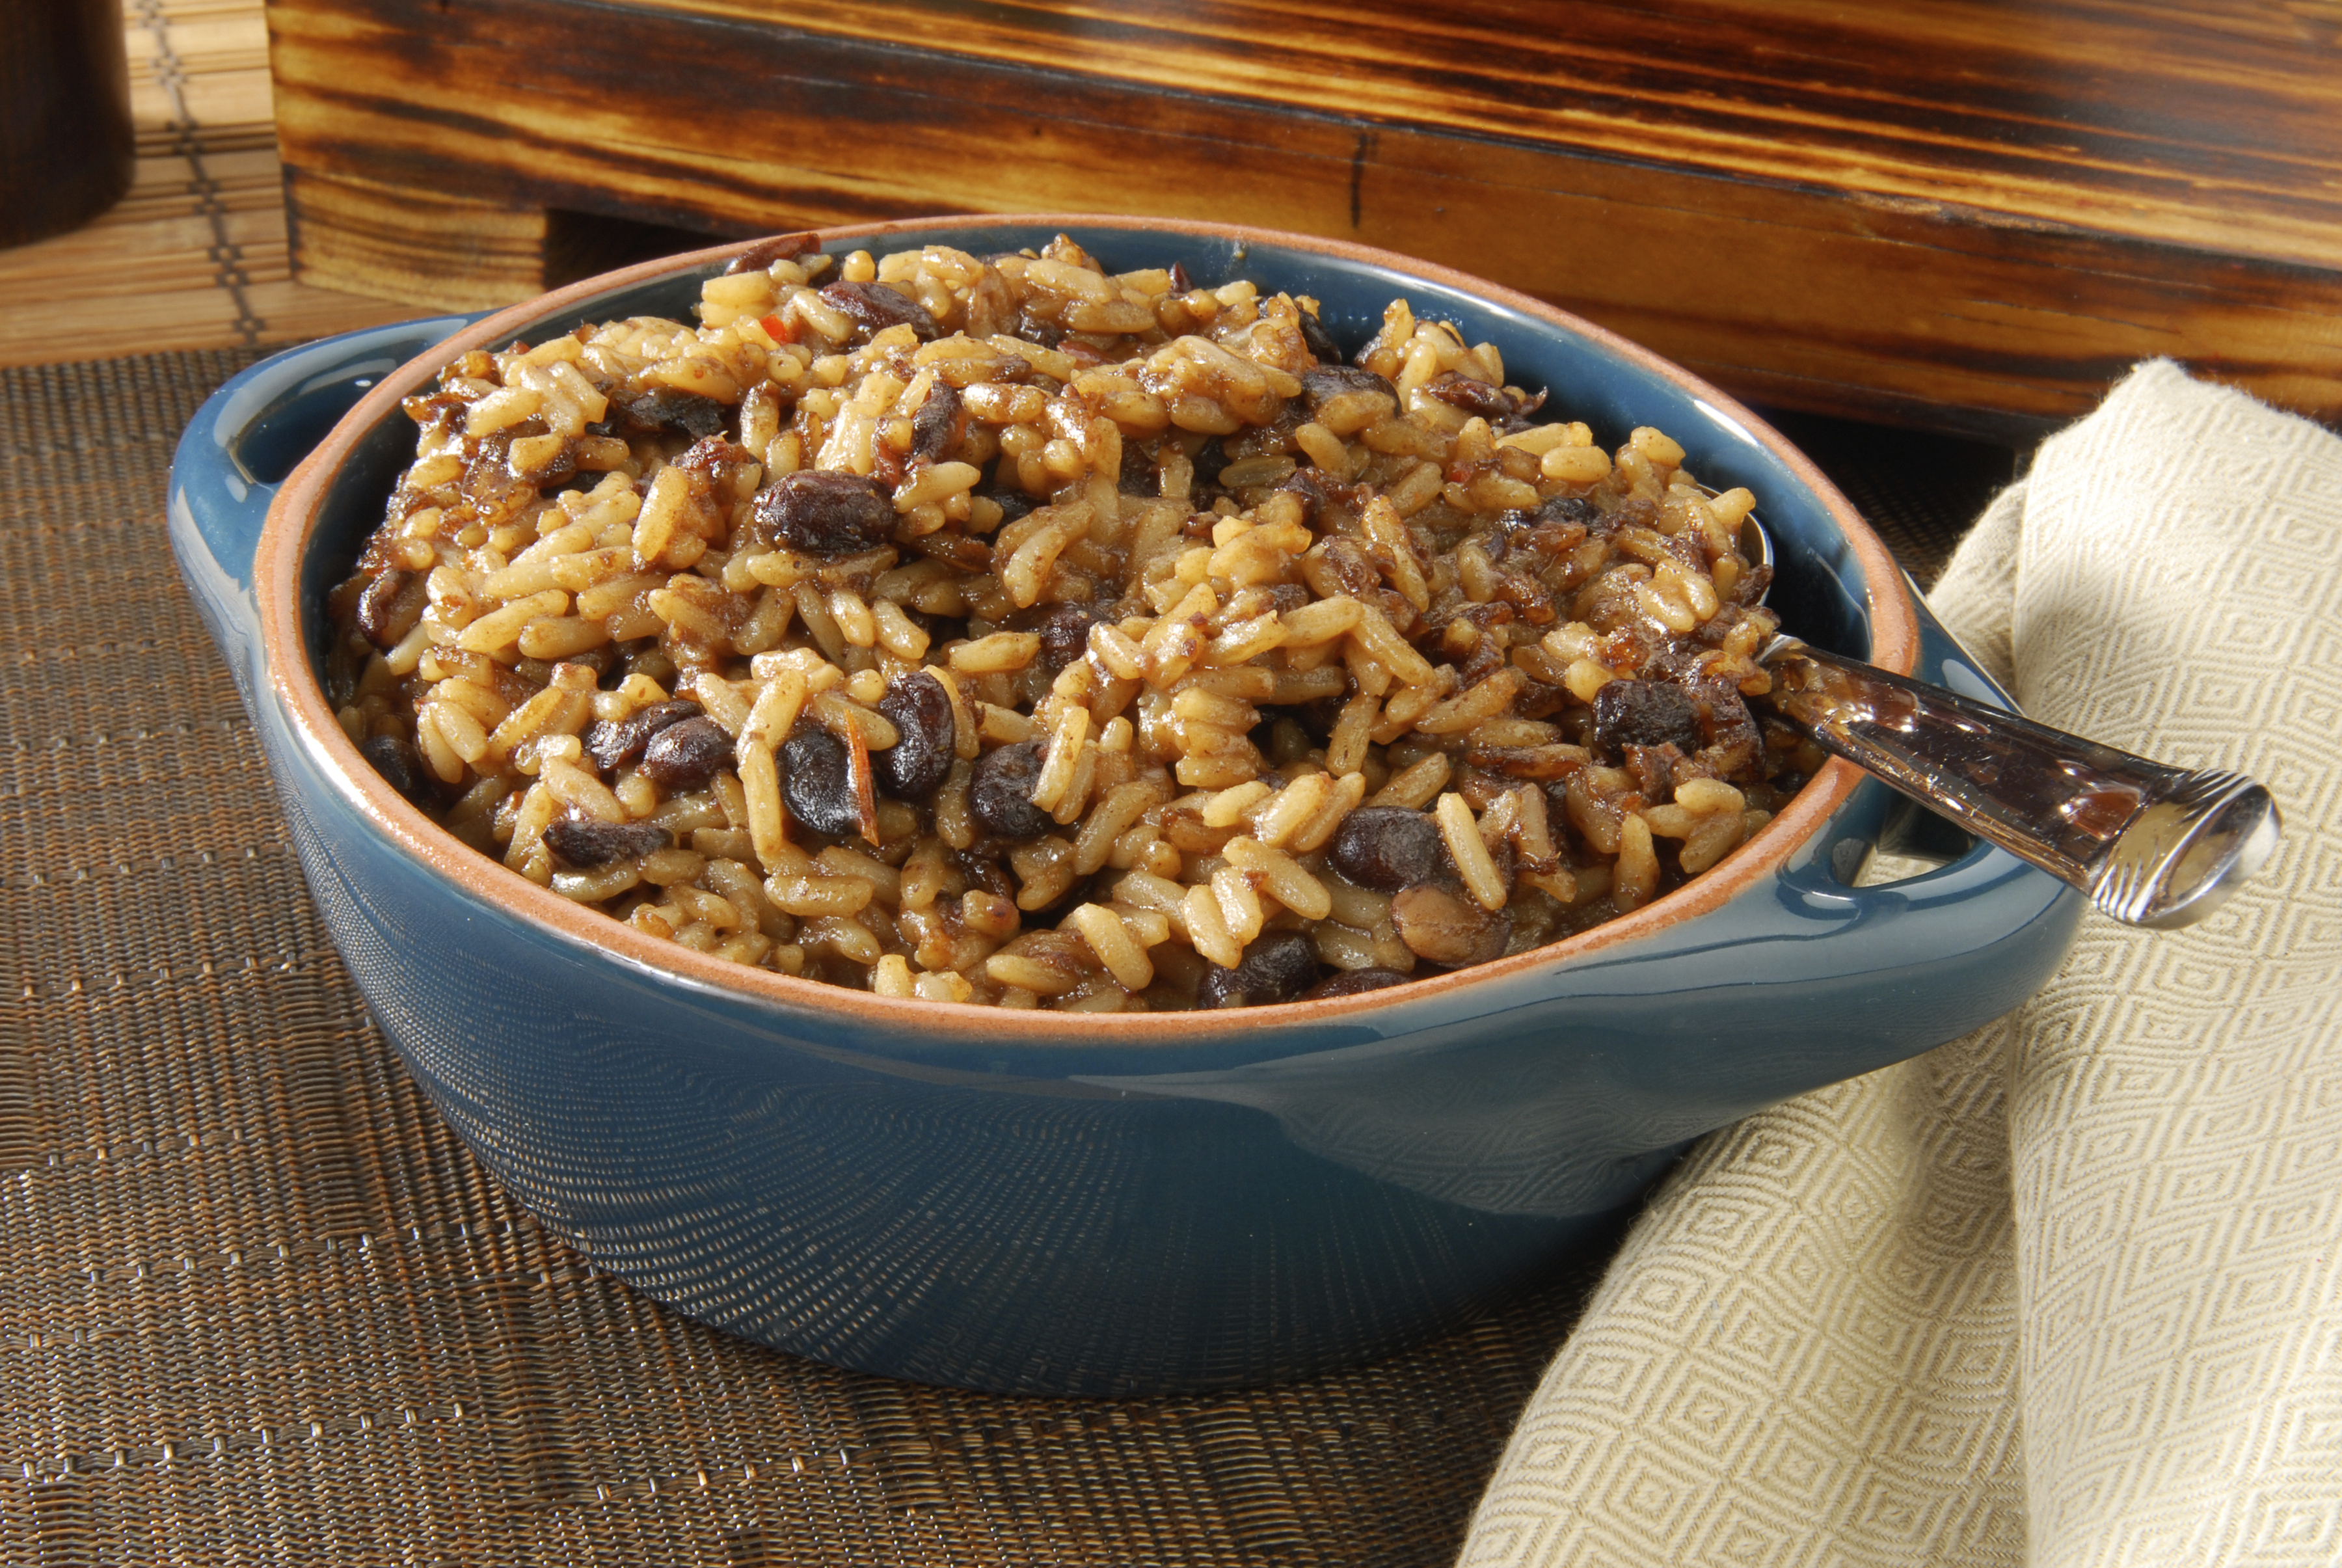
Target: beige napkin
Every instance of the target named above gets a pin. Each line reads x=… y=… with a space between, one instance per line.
x=2068 y=1290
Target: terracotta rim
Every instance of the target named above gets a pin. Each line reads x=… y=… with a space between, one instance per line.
x=292 y=523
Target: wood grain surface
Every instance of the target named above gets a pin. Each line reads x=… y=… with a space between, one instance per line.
x=1961 y=213
x=65 y=150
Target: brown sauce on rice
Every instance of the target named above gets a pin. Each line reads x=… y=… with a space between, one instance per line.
x=1003 y=630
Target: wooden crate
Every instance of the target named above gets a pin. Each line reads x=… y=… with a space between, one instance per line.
x=1966 y=215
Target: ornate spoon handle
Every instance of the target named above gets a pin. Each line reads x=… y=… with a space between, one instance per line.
x=2152 y=845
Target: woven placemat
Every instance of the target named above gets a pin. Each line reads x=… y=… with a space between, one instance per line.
x=259 y=1305
x=1919 y=489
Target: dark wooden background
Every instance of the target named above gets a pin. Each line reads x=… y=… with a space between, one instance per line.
x=66 y=147
x=1966 y=214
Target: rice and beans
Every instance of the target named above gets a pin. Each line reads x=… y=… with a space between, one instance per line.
x=1010 y=631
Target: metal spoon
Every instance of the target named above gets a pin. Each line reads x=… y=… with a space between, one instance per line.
x=2151 y=845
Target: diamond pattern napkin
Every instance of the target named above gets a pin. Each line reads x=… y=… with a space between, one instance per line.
x=2068 y=1291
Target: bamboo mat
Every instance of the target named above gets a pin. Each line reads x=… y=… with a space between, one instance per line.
x=196 y=254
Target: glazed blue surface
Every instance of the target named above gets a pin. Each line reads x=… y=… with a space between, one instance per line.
x=1110 y=1217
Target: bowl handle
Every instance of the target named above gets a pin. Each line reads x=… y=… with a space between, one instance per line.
x=1975 y=935
x=242 y=444
x=1802 y=981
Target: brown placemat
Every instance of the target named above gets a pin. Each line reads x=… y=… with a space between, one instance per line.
x=1919 y=489
x=259 y=1305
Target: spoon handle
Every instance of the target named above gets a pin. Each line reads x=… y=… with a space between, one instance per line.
x=2152 y=845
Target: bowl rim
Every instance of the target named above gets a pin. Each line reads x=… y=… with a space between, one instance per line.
x=291 y=527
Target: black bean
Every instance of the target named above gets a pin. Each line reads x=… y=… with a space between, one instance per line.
x=1033 y=328
x=937 y=428
x=1645 y=713
x=875 y=307
x=1276 y=968
x=980 y=864
x=396 y=760
x=1446 y=925
x=765 y=251
x=1002 y=793
x=685 y=755
x=825 y=513
x=585 y=842
x=1355 y=982
x=615 y=742
x=668 y=410
x=1567 y=510
x=1065 y=634
x=917 y=705
x=1326 y=382
x=1390 y=847
x=1320 y=341
x=1209 y=459
x=817 y=783
x=378 y=609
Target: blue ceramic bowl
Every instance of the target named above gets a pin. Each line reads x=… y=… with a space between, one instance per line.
x=1072 y=1204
